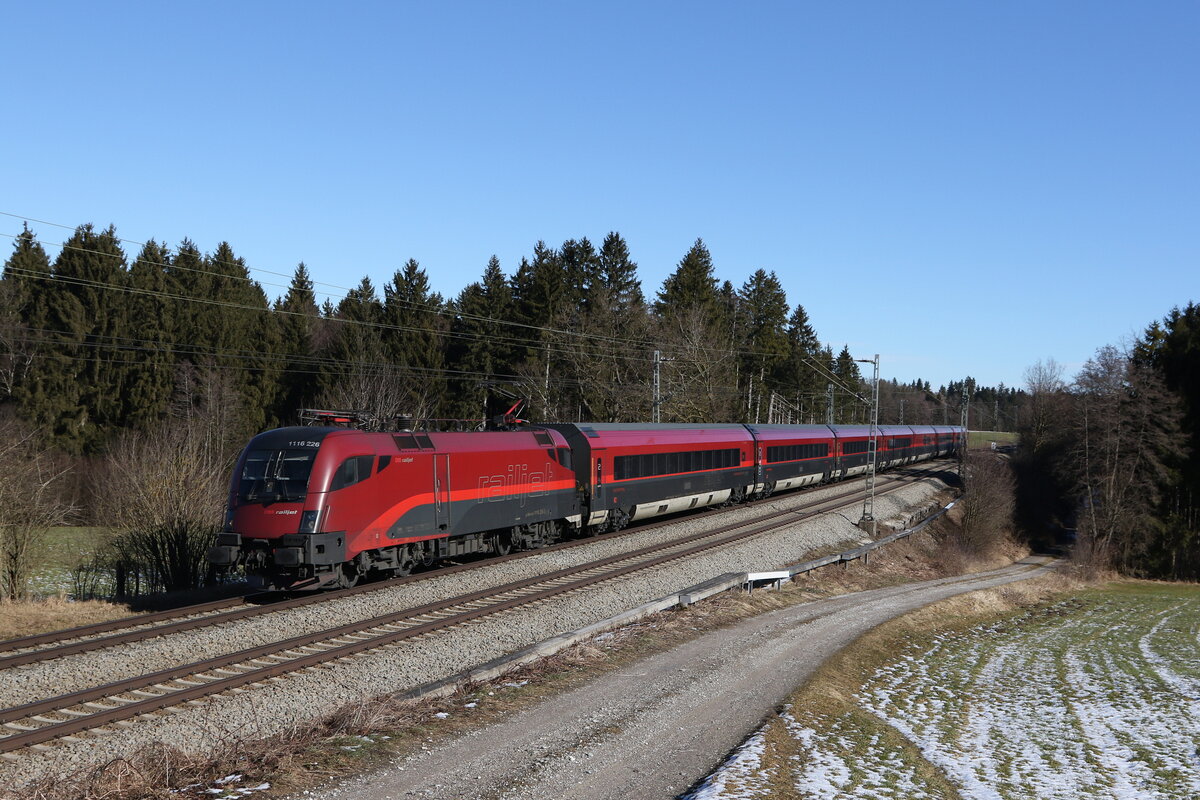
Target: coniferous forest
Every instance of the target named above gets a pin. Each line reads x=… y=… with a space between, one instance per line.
x=103 y=340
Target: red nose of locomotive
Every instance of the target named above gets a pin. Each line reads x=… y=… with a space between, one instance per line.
x=270 y=500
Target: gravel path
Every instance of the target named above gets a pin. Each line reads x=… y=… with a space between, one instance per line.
x=283 y=703
x=664 y=724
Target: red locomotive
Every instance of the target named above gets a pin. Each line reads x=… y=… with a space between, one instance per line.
x=317 y=507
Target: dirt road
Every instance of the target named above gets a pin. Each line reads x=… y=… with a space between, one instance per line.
x=657 y=728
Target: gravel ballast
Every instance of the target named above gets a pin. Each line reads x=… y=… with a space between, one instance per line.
x=280 y=704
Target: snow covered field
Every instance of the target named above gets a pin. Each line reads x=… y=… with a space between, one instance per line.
x=1095 y=697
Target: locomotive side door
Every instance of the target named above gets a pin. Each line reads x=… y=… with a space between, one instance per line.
x=441 y=491
x=600 y=466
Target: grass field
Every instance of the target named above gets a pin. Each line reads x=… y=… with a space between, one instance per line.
x=1089 y=697
x=983 y=439
x=58 y=553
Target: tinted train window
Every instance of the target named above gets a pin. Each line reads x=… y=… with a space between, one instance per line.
x=796 y=452
x=275 y=476
x=849 y=448
x=651 y=464
x=351 y=472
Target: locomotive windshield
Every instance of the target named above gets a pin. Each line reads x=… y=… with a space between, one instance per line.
x=276 y=476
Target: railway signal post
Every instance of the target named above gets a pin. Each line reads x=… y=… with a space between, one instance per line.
x=868 y=523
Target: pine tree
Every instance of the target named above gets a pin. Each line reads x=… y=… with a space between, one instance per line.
x=603 y=358
x=539 y=296
x=358 y=336
x=696 y=329
x=802 y=377
x=297 y=319
x=850 y=386
x=1171 y=349
x=22 y=312
x=762 y=313
x=149 y=380
x=481 y=351
x=242 y=335
x=414 y=337
x=691 y=285
x=192 y=283
x=618 y=273
x=582 y=279
x=74 y=391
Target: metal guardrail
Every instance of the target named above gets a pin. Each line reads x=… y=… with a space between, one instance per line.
x=749 y=579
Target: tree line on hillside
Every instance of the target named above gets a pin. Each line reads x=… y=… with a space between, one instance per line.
x=1113 y=457
x=103 y=351
x=95 y=343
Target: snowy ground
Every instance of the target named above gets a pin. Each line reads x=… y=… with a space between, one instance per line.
x=1096 y=697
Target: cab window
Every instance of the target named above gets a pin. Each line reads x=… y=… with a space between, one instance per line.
x=352 y=470
x=273 y=476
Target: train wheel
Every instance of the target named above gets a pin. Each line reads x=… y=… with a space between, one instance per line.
x=502 y=542
x=347 y=576
x=551 y=532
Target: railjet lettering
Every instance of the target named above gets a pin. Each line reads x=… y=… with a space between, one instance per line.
x=519 y=484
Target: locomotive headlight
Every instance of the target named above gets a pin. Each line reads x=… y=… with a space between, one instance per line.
x=228 y=527
x=308 y=521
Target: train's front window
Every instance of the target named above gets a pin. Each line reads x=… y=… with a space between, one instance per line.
x=275 y=476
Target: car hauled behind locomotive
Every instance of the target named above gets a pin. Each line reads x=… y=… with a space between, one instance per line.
x=322 y=507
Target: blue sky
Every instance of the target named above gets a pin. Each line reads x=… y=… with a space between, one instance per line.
x=964 y=188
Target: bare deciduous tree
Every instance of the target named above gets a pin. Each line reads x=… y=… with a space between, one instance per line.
x=384 y=392
x=987 y=507
x=1047 y=393
x=163 y=490
x=606 y=352
x=18 y=344
x=30 y=503
x=699 y=380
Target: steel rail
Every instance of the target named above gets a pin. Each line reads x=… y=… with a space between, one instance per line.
x=514 y=594
x=116 y=624
x=73 y=641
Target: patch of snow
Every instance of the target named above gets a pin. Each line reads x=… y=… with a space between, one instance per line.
x=1062 y=706
x=740 y=777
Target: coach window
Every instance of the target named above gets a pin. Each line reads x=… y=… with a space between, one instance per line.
x=352 y=470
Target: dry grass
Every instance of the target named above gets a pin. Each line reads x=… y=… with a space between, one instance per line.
x=26 y=617
x=385 y=728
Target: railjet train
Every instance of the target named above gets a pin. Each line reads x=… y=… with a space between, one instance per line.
x=323 y=507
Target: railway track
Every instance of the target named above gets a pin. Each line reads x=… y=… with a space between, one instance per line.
x=56 y=644
x=35 y=724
